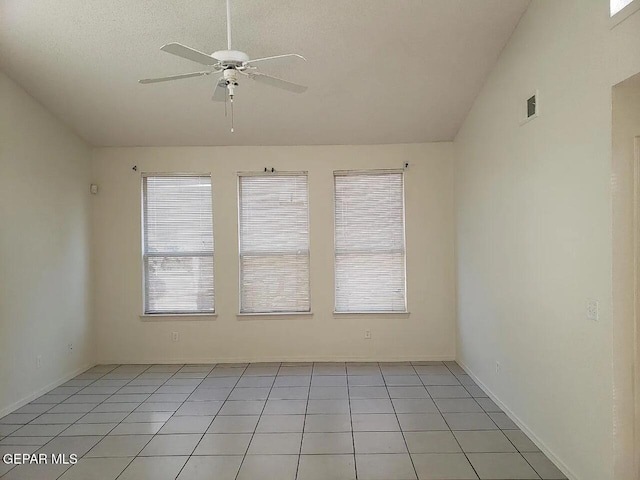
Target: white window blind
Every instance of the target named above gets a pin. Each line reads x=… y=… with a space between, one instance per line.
x=369 y=242
x=178 y=244
x=274 y=243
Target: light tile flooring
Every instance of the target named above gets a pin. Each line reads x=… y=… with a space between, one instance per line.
x=272 y=421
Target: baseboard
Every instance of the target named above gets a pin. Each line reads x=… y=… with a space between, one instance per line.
x=534 y=438
x=258 y=359
x=56 y=383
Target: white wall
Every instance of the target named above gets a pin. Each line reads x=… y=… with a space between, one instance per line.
x=626 y=126
x=44 y=248
x=427 y=333
x=534 y=231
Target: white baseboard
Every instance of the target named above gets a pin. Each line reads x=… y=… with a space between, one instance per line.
x=244 y=359
x=56 y=383
x=534 y=438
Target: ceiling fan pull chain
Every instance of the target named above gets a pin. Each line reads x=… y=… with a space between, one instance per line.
x=232 y=115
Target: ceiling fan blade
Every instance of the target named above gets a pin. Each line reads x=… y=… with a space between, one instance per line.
x=173 y=77
x=189 y=53
x=277 y=59
x=277 y=82
x=220 y=93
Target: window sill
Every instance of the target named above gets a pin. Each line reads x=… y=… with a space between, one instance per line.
x=373 y=314
x=166 y=317
x=249 y=316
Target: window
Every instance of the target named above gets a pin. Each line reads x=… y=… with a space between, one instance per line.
x=177 y=244
x=274 y=243
x=369 y=242
x=617 y=5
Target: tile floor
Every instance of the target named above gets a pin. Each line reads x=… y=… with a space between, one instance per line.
x=272 y=421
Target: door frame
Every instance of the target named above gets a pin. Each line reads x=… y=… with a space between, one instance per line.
x=636 y=309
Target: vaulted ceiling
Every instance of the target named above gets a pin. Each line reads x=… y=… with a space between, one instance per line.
x=378 y=71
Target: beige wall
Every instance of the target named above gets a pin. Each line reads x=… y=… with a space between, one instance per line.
x=427 y=333
x=44 y=249
x=534 y=231
x=626 y=126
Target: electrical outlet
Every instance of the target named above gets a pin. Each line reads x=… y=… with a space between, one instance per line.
x=498 y=368
x=38 y=361
x=70 y=347
x=593 y=310
x=367 y=334
x=175 y=336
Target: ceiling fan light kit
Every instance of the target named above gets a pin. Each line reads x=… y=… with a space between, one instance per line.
x=232 y=64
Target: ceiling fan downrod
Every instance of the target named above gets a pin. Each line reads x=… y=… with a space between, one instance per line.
x=228 y=26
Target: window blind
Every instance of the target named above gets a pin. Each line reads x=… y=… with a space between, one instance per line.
x=178 y=244
x=274 y=243
x=369 y=242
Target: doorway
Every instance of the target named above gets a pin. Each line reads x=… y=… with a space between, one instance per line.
x=625 y=187
x=636 y=244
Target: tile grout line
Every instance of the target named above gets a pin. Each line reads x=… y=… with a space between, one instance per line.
x=103 y=436
x=131 y=412
x=177 y=375
x=447 y=423
x=116 y=393
x=507 y=436
x=51 y=408
x=353 y=438
x=259 y=416
x=105 y=400
x=60 y=403
x=172 y=415
x=100 y=403
x=185 y=400
x=304 y=420
x=494 y=422
x=126 y=416
x=406 y=445
x=145 y=400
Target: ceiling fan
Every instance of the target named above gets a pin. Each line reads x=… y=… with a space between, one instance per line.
x=232 y=64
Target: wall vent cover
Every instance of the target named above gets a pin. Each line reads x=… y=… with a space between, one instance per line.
x=531 y=106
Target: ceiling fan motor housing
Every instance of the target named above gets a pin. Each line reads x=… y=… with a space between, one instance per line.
x=233 y=58
x=230 y=76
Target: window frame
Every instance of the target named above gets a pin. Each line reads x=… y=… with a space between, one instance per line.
x=304 y=173
x=382 y=171
x=624 y=13
x=143 y=224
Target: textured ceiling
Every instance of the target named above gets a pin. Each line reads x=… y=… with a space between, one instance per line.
x=378 y=71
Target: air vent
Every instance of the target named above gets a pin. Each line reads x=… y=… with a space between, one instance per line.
x=531 y=107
